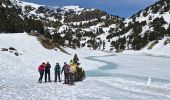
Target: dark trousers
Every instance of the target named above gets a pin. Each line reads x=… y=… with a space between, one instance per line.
x=66 y=78
x=41 y=76
x=47 y=72
x=71 y=78
x=57 y=74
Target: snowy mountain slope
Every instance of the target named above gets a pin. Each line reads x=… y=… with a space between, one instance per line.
x=76 y=27
x=127 y=79
x=115 y=33
x=160 y=49
x=29 y=46
x=82 y=22
x=146 y=26
x=160 y=9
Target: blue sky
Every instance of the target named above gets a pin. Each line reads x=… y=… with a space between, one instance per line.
x=123 y=8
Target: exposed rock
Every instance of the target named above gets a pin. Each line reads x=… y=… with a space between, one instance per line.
x=10 y=51
x=55 y=49
x=11 y=48
x=16 y=54
x=4 y=49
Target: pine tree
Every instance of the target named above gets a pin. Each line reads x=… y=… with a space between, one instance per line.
x=76 y=59
x=104 y=45
x=80 y=73
x=168 y=30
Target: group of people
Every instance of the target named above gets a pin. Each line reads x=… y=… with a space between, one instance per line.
x=68 y=69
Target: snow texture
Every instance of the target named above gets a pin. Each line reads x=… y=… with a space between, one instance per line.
x=110 y=76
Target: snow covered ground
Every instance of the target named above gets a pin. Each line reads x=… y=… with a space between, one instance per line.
x=110 y=76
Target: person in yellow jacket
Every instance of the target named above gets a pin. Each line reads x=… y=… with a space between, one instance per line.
x=72 y=66
x=72 y=71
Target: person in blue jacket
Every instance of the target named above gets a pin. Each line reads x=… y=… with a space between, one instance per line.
x=57 y=70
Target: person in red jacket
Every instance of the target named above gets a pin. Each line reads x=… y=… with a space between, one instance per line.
x=41 y=69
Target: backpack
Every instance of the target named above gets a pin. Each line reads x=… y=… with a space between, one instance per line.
x=57 y=68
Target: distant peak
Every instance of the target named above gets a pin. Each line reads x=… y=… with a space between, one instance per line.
x=72 y=7
x=15 y=1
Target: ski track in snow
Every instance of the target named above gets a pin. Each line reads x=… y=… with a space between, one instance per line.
x=18 y=75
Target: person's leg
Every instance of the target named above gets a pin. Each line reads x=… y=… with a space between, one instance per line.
x=49 y=76
x=65 y=78
x=55 y=77
x=40 y=76
x=45 y=76
x=59 y=77
x=71 y=78
x=68 y=78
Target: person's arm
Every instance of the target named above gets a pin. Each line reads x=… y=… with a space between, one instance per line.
x=45 y=67
x=49 y=66
x=42 y=67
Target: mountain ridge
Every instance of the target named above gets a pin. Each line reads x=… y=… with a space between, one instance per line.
x=76 y=27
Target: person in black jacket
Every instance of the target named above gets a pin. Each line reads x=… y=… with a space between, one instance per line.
x=57 y=70
x=47 y=72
